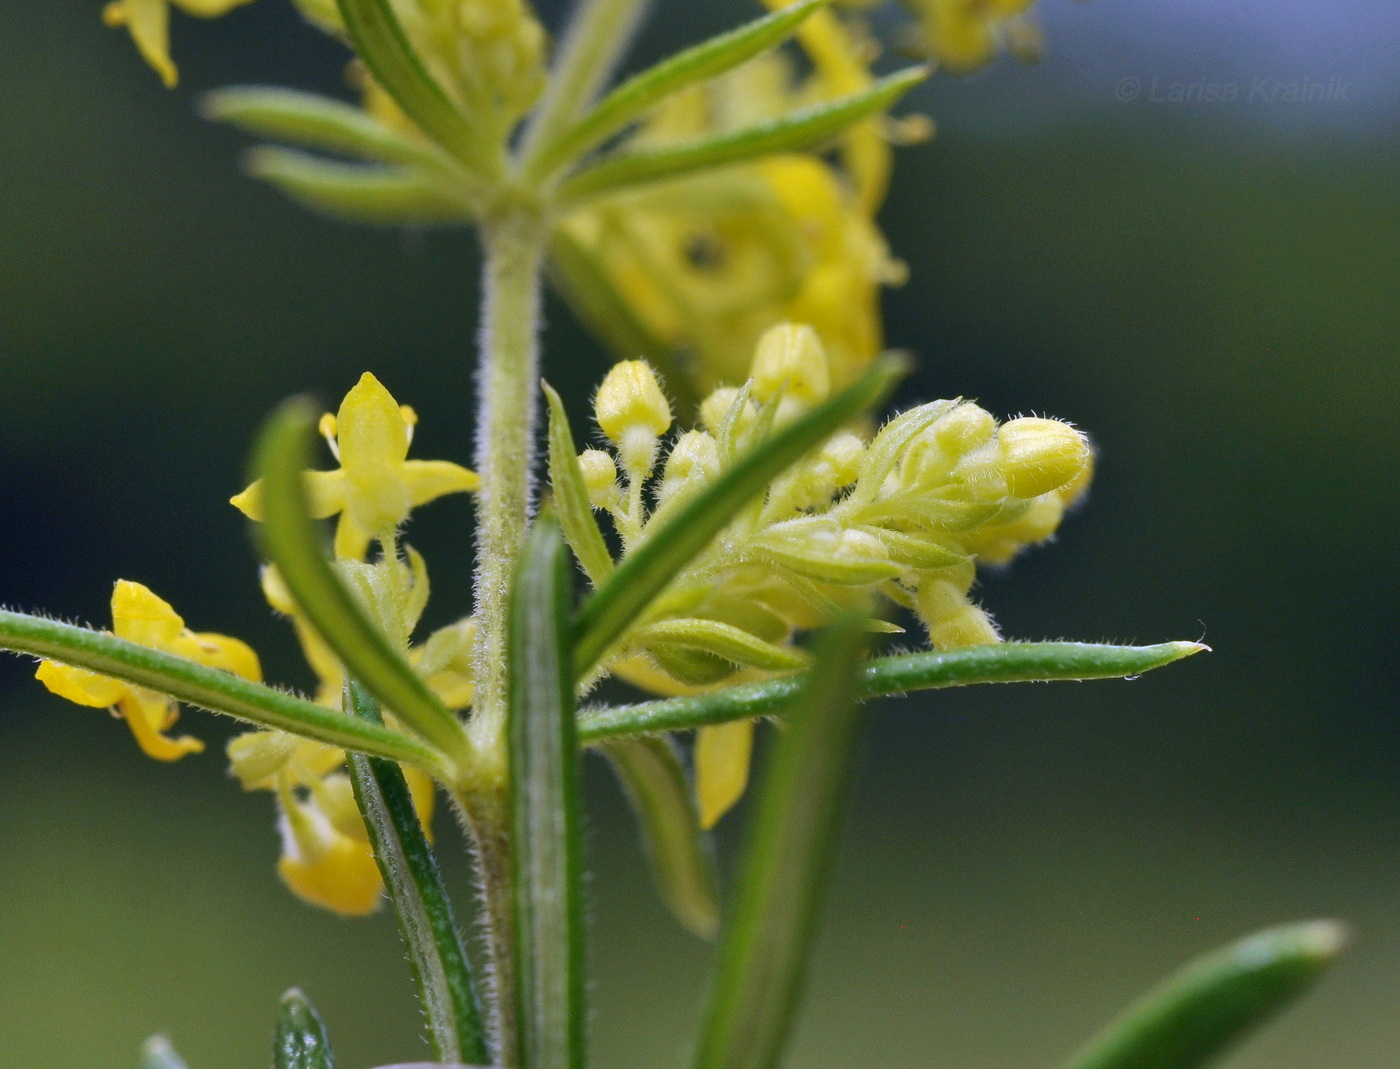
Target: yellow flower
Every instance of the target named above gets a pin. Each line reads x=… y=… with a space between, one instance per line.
x=140 y=616
x=966 y=34
x=326 y=857
x=375 y=486
x=148 y=21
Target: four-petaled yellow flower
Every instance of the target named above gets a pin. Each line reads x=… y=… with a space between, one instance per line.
x=375 y=486
x=140 y=616
x=148 y=21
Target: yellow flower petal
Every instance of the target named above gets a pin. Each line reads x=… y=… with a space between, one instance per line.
x=323 y=866
x=79 y=685
x=148 y=22
x=325 y=495
x=430 y=479
x=138 y=615
x=219 y=651
x=208 y=9
x=722 y=753
x=344 y=879
x=148 y=715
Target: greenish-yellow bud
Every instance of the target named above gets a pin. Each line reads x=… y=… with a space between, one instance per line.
x=693 y=461
x=790 y=359
x=633 y=413
x=951 y=619
x=1041 y=455
x=599 y=478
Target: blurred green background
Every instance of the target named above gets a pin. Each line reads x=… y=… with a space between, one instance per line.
x=1211 y=290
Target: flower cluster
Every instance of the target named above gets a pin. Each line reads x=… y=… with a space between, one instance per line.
x=963 y=35
x=899 y=518
x=703 y=265
x=326 y=858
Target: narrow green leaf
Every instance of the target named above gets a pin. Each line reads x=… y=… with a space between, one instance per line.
x=766 y=936
x=207 y=688
x=546 y=808
x=800 y=130
x=575 y=273
x=646 y=572
x=679 y=852
x=157 y=1053
x=316 y=122
x=1007 y=662
x=629 y=101
x=360 y=193
x=571 y=495
x=441 y=973
x=1216 y=999
x=597 y=37
x=290 y=539
x=380 y=41
x=300 y=1041
x=725 y=641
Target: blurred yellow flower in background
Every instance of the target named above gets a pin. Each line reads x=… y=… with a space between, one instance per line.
x=148 y=22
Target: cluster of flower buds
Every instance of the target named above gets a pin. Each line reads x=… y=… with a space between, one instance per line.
x=903 y=516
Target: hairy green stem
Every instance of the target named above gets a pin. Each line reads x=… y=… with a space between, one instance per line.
x=513 y=239
x=507 y=392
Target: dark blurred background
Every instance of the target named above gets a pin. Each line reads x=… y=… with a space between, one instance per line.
x=1209 y=288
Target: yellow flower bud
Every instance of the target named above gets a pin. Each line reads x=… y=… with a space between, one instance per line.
x=599 y=478
x=693 y=461
x=631 y=398
x=964 y=428
x=951 y=619
x=633 y=413
x=842 y=456
x=790 y=359
x=1041 y=455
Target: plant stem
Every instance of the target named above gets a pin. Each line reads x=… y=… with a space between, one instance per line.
x=513 y=241
x=484 y=819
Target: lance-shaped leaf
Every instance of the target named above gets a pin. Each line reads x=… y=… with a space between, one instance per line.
x=316 y=122
x=360 y=193
x=629 y=101
x=1215 y=1000
x=300 y=1041
x=678 y=850
x=766 y=936
x=595 y=42
x=645 y=573
x=546 y=805
x=379 y=39
x=289 y=537
x=571 y=495
x=441 y=974
x=799 y=130
x=1008 y=662
x=729 y=643
x=157 y=1053
x=208 y=688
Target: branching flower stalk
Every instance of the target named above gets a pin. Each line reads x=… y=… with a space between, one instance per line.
x=713 y=218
